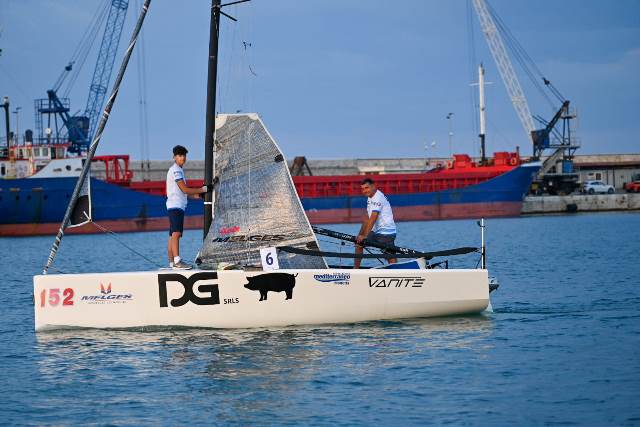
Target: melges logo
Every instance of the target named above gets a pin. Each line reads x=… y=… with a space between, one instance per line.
x=210 y=290
x=396 y=282
x=251 y=238
x=107 y=297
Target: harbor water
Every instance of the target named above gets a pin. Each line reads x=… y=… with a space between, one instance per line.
x=561 y=347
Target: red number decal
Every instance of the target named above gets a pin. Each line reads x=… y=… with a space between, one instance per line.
x=43 y=297
x=68 y=297
x=54 y=297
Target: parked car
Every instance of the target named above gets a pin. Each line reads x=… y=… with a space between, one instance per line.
x=634 y=185
x=592 y=187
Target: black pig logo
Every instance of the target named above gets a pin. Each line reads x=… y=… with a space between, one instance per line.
x=274 y=282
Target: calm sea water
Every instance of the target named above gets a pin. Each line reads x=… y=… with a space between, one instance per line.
x=562 y=347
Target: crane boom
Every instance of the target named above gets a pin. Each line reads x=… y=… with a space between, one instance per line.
x=104 y=63
x=496 y=45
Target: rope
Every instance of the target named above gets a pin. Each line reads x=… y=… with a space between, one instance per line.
x=117 y=238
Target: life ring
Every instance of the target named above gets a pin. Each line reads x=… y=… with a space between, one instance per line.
x=449 y=164
x=513 y=161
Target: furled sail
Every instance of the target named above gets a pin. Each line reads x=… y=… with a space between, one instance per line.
x=256 y=205
x=81 y=210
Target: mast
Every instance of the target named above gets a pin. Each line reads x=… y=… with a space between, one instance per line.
x=210 y=119
x=483 y=157
x=106 y=112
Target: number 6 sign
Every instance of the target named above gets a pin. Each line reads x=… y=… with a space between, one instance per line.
x=269 y=259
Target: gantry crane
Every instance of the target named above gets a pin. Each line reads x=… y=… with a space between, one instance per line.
x=556 y=174
x=54 y=124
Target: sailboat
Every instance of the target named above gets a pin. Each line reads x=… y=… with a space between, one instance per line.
x=260 y=264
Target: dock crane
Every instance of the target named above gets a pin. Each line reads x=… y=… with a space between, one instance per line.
x=556 y=175
x=54 y=123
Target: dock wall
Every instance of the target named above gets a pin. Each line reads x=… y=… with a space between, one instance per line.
x=582 y=203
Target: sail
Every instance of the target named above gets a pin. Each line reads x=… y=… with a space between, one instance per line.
x=81 y=212
x=256 y=205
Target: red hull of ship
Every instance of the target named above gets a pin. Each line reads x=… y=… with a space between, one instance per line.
x=421 y=213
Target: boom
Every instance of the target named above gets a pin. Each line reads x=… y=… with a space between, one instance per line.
x=511 y=82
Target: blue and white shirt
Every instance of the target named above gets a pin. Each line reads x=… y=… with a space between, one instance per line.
x=379 y=203
x=176 y=199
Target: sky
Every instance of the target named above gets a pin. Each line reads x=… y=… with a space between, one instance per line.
x=340 y=78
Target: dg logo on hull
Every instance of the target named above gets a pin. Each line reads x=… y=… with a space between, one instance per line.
x=188 y=294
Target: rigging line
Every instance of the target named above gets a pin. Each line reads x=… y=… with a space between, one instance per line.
x=142 y=100
x=516 y=43
x=369 y=251
x=91 y=27
x=85 y=47
x=117 y=238
x=58 y=270
x=518 y=53
x=81 y=47
x=503 y=140
x=15 y=82
x=251 y=86
x=228 y=51
x=522 y=57
x=96 y=138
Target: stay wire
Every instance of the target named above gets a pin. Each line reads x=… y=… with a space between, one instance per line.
x=85 y=46
x=117 y=238
x=142 y=101
x=522 y=57
x=341 y=244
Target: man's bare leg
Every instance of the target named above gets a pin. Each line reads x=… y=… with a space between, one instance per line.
x=175 y=244
x=170 y=251
x=358 y=261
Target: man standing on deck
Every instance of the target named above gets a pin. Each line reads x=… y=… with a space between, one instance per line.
x=177 y=192
x=378 y=226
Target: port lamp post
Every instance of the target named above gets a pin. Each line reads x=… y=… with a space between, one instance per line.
x=450 y=119
x=5 y=105
x=17 y=113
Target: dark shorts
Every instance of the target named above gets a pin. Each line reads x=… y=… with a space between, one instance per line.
x=385 y=239
x=176 y=220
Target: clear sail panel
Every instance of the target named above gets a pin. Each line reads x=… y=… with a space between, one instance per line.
x=256 y=205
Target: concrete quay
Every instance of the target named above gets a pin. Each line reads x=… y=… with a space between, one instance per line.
x=580 y=203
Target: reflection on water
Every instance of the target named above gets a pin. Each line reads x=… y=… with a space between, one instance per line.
x=250 y=371
x=232 y=353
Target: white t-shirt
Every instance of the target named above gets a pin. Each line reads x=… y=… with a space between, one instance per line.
x=379 y=203
x=176 y=199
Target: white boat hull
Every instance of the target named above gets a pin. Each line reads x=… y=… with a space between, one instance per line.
x=220 y=299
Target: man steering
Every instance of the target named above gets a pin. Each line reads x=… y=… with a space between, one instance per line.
x=378 y=226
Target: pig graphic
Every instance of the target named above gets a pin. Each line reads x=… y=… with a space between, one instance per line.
x=274 y=282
